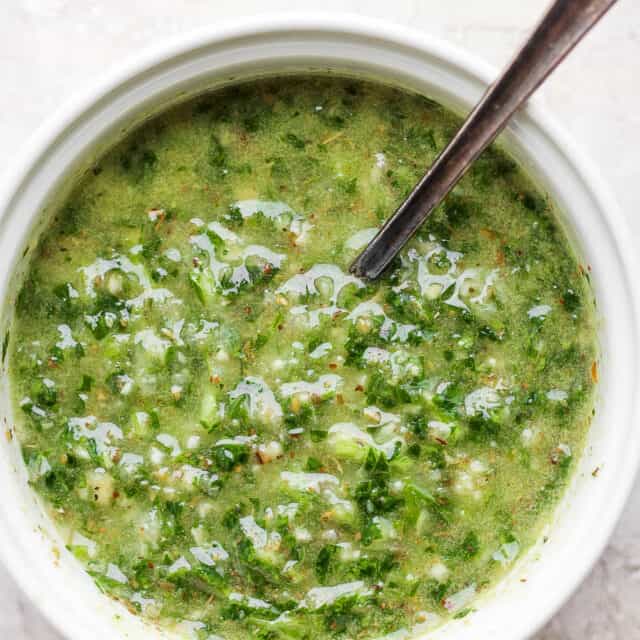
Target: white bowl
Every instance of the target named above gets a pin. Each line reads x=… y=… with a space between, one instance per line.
x=29 y=545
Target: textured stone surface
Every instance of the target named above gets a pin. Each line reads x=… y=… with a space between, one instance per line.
x=51 y=49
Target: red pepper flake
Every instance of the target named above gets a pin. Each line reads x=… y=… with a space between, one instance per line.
x=441 y=441
x=151 y=565
x=359 y=387
x=594 y=372
x=333 y=365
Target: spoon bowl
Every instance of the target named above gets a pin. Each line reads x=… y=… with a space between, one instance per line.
x=562 y=27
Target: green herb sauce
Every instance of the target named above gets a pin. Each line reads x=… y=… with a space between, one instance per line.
x=235 y=436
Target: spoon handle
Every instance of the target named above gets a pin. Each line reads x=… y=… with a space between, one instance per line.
x=562 y=27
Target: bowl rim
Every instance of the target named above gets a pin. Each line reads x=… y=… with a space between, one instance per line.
x=80 y=104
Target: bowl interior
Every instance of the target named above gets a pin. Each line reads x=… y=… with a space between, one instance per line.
x=547 y=575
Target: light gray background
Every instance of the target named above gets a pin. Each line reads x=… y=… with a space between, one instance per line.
x=50 y=49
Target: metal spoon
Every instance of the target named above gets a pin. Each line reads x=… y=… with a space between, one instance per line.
x=562 y=27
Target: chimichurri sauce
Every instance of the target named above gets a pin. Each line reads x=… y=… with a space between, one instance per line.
x=235 y=436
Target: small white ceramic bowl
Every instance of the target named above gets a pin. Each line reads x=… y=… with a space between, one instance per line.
x=29 y=545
